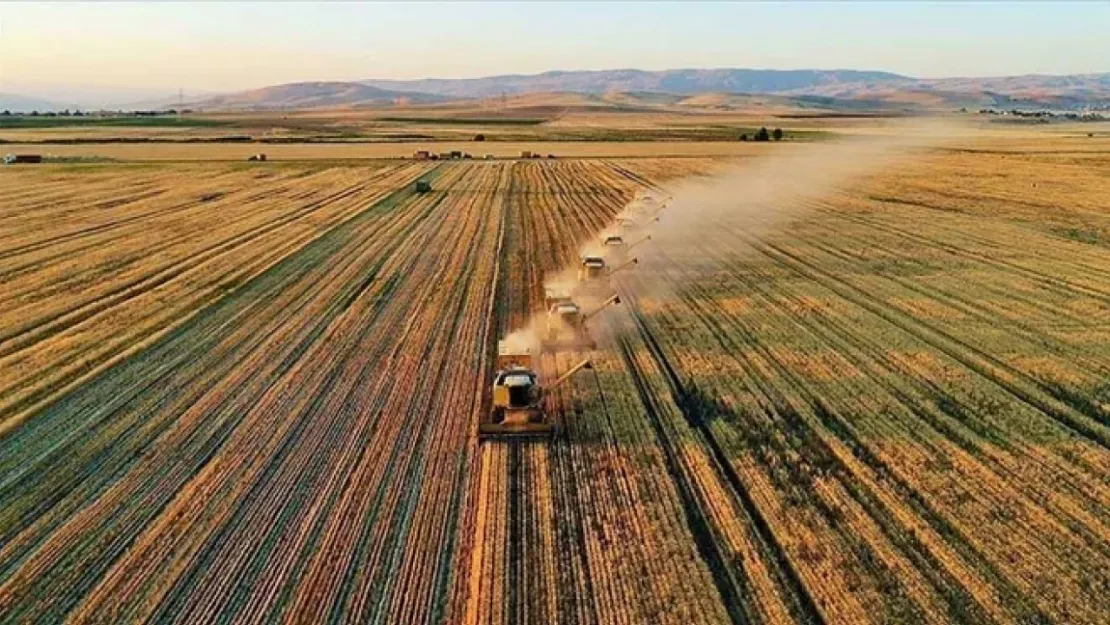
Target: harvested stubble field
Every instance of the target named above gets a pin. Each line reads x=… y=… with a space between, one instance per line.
x=250 y=394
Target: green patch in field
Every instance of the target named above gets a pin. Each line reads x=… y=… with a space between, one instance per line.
x=78 y=160
x=1082 y=235
x=468 y=121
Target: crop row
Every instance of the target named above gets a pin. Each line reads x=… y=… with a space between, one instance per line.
x=908 y=471
x=301 y=445
x=885 y=410
x=88 y=286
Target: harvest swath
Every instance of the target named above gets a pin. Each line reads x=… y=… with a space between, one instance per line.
x=235 y=393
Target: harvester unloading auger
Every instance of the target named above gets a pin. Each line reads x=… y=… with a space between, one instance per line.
x=566 y=325
x=518 y=410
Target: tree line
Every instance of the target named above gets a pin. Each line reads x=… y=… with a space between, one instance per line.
x=764 y=135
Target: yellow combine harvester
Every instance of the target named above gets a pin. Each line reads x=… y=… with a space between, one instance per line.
x=594 y=273
x=617 y=248
x=566 y=325
x=518 y=398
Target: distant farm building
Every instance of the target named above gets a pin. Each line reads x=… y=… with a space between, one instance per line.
x=525 y=154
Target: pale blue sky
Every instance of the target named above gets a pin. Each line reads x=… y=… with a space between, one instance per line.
x=223 y=46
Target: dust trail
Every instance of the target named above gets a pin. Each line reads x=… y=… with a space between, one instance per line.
x=697 y=223
x=524 y=339
x=707 y=219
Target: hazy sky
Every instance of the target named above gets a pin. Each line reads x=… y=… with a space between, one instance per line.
x=211 y=46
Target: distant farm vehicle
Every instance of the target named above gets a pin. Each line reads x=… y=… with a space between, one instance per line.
x=12 y=159
x=552 y=297
x=594 y=274
x=257 y=157
x=423 y=186
x=566 y=326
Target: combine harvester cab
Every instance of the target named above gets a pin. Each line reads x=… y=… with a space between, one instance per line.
x=517 y=411
x=593 y=275
x=517 y=406
x=566 y=326
x=551 y=297
x=614 y=246
x=617 y=248
x=566 y=329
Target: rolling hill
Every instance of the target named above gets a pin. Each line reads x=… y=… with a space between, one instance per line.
x=303 y=95
x=709 y=89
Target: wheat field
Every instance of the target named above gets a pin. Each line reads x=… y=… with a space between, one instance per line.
x=249 y=393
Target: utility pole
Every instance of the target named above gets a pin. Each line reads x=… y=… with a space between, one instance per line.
x=180 y=100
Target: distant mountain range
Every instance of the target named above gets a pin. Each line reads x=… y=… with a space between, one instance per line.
x=833 y=89
x=16 y=102
x=830 y=88
x=677 y=81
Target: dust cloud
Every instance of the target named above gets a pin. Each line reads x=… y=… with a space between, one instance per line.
x=699 y=223
x=710 y=219
x=523 y=340
x=768 y=191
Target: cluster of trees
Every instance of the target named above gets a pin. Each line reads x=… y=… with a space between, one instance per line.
x=763 y=135
x=1083 y=117
x=65 y=113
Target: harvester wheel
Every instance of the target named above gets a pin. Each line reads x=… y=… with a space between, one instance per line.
x=497 y=415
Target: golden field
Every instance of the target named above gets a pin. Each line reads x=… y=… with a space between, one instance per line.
x=249 y=392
